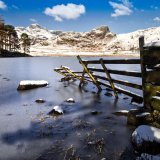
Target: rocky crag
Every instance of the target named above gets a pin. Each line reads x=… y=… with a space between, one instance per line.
x=100 y=39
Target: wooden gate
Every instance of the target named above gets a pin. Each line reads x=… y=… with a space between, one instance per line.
x=106 y=79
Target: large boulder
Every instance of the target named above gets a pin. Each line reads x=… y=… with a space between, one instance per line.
x=146 y=139
x=31 y=84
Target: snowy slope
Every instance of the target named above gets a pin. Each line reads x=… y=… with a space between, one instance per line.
x=99 y=39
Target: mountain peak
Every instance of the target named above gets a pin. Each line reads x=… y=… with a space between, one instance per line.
x=35 y=26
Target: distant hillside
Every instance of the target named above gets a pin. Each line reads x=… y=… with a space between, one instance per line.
x=96 y=40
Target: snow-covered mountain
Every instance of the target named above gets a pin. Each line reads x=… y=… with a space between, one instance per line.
x=129 y=41
x=96 y=40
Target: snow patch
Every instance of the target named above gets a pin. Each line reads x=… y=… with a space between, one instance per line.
x=146 y=133
x=33 y=82
x=58 y=109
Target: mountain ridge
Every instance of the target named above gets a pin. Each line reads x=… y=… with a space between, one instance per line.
x=100 y=39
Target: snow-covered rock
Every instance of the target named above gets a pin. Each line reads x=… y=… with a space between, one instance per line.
x=57 y=110
x=30 y=84
x=70 y=100
x=146 y=139
x=121 y=113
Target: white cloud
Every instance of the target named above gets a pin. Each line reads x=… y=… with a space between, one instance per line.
x=3 y=5
x=33 y=20
x=157 y=19
x=62 y=12
x=121 y=9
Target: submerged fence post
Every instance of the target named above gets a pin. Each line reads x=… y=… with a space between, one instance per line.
x=82 y=78
x=89 y=74
x=70 y=72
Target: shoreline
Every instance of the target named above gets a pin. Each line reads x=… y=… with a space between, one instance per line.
x=69 y=53
x=66 y=53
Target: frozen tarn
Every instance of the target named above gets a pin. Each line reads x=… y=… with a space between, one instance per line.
x=30 y=84
x=145 y=156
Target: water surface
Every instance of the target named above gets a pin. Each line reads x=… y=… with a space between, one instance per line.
x=26 y=130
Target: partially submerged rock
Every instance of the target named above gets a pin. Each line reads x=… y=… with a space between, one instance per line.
x=146 y=139
x=145 y=156
x=121 y=113
x=108 y=94
x=138 y=117
x=57 y=110
x=70 y=100
x=40 y=101
x=96 y=112
x=31 y=84
x=136 y=100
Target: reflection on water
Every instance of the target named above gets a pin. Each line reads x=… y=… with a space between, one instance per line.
x=26 y=131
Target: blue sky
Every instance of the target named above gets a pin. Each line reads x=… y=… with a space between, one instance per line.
x=83 y=15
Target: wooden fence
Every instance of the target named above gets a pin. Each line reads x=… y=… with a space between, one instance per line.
x=107 y=79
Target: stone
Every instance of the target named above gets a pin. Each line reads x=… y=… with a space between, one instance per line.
x=57 y=110
x=126 y=98
x=138 y=117
x=108 y=94
x=70 y=100
x=146 y=139
x=156 y=116
x=145 y=156
x=155 y=103
x=121 y=113
x=40 y=101
x=136 y=100
x=96 y=112
x=31 y=84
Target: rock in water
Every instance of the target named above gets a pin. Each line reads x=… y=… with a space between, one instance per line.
x=121 y=113
x=138 y=117
x=146 y=139
x=40 y=101
x=96 y=112
x=145 y=156
x=70 y=100
x=31 y=84
x=57 y=110
x=108 y=94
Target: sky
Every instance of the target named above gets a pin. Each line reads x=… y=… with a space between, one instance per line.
x=121 y=16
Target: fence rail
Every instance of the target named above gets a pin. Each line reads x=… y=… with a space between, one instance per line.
x=114 y=61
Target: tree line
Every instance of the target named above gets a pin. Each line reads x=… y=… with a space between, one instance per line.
x=9 y=39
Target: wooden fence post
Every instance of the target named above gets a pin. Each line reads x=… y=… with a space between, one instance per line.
x=143 y=68
x=109 y=78
x=89 y=74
